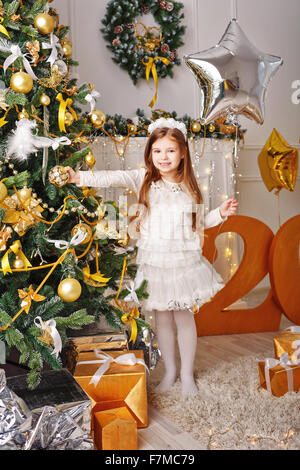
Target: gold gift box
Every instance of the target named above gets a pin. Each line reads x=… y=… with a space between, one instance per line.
x=283 y=343
x=115 y=429
x=121 y=385
x=279 y=379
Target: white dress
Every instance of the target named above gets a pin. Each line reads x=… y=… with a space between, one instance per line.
x=169 y=253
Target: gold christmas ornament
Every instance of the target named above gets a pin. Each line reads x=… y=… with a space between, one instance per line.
x=25 y=193
x=18 y=263
x=45 y=100
x=59 y=176
x=3 y=192
x=196 y=126
x=66 y=45
x=97 y=118
x=132 y=128
x=69 y=119
x=211 y=128
x=21 y=82
x=23 y=114
x=69 y=290
x=90 y=159
x=85 y=229
x=44 y=23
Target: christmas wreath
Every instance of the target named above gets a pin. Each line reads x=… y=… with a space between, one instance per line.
x=140 y=49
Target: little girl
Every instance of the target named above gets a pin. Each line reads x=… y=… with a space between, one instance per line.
x=169 y=244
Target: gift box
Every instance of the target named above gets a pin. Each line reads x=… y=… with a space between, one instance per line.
x=109 y=341
x=119 y=385
x=115 y=429
x=279 y=376
x=288 y=341
x=59 y=390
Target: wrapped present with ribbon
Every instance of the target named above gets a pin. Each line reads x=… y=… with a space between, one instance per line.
x=288 y=341
x=279 y=376
x=115 y=429
x=115 y=380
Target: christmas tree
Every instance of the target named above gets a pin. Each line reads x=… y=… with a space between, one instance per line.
x=58 y=271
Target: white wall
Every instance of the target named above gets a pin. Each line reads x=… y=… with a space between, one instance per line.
x=272 y=25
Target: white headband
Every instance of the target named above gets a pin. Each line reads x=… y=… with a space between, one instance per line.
x=170 y=122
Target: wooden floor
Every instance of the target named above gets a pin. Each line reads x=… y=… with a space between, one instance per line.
x=161 y=434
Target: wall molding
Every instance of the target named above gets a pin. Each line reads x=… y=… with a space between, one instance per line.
x=259 y=147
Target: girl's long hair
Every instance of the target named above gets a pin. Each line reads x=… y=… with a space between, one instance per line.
x=185 y=171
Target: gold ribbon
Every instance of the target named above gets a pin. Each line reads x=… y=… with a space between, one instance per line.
x=3 y=29
x=94 y=279
x=16 y=249
x=150 y=67
x=130 y=318
x=64 y=104
x=29 y=297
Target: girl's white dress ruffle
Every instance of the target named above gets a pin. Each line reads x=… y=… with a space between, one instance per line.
x=169 y=253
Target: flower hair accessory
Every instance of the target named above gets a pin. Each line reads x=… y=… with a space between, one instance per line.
x=170 y=122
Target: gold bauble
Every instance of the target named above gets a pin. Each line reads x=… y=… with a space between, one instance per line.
x=3 y=192
x=125 y=241
x=23 y=114
x=21 y=82
x=25 y=193
x=58 y=175
x=69 y=290
x=132 y=128
x=211 y=128
x=85 y=228
x=196 y=126
x=69 y=119
x=45 y=100
x=67 y=49
x=44 y=23
x=90 y=159
x=18 y=263
x=97 y=118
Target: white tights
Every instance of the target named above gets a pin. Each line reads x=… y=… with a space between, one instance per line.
x=165 y=322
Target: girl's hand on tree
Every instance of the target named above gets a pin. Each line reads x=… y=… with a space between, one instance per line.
x=73 y=175
x=228 y=207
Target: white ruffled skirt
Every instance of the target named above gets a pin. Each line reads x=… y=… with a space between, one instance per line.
x=180 y=280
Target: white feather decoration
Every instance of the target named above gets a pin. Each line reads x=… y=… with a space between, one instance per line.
x=22 y=142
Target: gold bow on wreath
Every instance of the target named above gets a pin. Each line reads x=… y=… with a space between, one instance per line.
x=150 y=67
x=64 y=104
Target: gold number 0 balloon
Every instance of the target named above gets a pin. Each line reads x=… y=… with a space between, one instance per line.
x=284 y=268
x=211 y=318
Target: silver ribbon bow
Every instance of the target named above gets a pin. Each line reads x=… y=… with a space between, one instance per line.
x=105 y=359
x=50 y=327
x=92 y=97
x=284 y=362
x=64 y=245
x=54 y=44
x=54 y=143
x=15 y=54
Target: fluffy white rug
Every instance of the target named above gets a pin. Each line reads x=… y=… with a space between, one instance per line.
x=231 y=410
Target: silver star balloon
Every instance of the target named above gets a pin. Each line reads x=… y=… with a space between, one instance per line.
x=233 y=76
